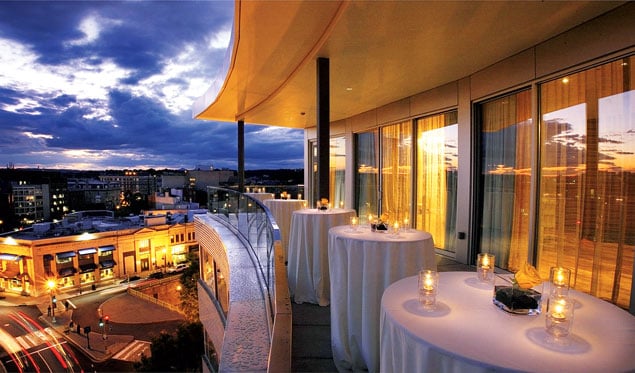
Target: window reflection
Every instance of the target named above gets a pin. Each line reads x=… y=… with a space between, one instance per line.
x=337 y=167
x=505 y=178
x=396 y=171
x=587 y=184
x=366 y=174
x=437 y=168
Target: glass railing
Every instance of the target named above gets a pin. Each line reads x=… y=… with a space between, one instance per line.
x=255 y=224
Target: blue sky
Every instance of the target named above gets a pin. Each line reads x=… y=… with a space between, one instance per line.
x=109 y=85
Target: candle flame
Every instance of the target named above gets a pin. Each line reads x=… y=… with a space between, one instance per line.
x=485 y=261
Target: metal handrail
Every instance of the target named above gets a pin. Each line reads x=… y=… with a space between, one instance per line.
x=253 y=221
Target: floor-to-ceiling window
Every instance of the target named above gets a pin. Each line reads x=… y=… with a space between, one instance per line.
x=337 y=167
x=587 y=178
x=396 y=171
x=505 y=178
x=313 y=182
x=437 y=169
x=366 y=173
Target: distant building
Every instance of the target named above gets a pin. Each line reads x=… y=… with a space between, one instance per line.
x=171 y=200
x=201 y=179
x=92 y=248
x=31 y=202
x=172 y=180
x=133 y=181
x=93 y=194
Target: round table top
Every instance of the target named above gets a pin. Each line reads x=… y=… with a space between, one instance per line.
x=314 y=211
x=364 y=233
x=468 y=327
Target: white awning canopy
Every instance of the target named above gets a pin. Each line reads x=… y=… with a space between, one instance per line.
x=379 y=51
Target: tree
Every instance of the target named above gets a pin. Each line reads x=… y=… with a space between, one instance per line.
x=189 y=290
x=179 y=352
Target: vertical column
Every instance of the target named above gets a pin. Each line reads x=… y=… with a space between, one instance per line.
x=323 y=135
x=241 y=156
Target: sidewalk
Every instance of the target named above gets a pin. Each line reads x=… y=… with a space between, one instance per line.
x=97 y=346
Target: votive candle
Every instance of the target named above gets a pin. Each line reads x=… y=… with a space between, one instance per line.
x=485 y=267
x=428 y=283
x=560 y=278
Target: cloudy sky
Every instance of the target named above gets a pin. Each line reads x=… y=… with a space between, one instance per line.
x=110 y=85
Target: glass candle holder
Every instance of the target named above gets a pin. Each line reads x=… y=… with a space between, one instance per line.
x=559 y=316
x=485 y=267
x=354 y=223
x=428 y=286
x=395 y=228
x=559 y=281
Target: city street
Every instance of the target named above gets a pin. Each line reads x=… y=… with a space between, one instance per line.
x=30 y=333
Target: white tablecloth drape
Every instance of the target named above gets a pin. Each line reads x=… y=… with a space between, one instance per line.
x=308 y=266
x=362 y=264
x=468 y=333
x=261 y=196
x=282 y=209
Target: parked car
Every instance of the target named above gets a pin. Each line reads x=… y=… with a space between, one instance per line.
x=130 y=279
x=156 y=275
x=178 y=268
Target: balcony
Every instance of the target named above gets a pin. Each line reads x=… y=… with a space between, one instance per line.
x=243 y=294
x=252 y=320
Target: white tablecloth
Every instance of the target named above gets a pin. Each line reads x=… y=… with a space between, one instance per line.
x=362 y=264
x=467 y=333
x=282 y=209
x=261 y=196
x=308 y=266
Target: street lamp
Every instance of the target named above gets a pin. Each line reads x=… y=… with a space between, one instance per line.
x=51 y=285
x=164 y=258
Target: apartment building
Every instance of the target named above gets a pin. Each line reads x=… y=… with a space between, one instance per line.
x=90 y=248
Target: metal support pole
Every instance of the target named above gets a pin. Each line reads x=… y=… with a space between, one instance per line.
x=323 y=121
x=241 y=156
x=52 y=308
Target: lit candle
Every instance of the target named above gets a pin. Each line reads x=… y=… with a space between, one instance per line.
x=354 y=223
x=405 y=222
x=485 y=263
x=558 y=313
x=396 y=225
x=299 y=195
x=485 y=266
x=559 y=280
x=428 y=283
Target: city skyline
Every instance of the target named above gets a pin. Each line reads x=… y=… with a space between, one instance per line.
x=110 y=85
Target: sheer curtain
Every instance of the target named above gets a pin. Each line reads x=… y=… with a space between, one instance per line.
x=437 y=166
x=587 y=184
x=367 y=175
x=337 y=167
x=396 y=176
x=506 y=175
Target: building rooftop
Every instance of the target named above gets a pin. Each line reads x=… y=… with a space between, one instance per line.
x=94 y=221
